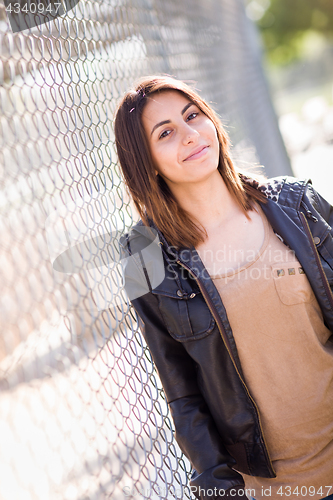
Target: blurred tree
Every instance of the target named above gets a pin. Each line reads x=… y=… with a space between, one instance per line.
x=285 y=24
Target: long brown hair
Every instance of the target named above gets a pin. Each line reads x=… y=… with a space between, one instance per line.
x=150 y=193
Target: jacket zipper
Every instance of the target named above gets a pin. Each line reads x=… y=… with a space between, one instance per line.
x=315 y=251
x=309 y=214
x=227 y=345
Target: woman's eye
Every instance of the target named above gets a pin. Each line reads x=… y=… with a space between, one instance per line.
x=192 y=115
x=164 y=134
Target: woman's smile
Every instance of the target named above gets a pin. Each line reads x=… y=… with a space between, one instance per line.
x=180 y=136
x=198 y=153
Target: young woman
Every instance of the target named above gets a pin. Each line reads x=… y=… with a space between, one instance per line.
x=240 y=325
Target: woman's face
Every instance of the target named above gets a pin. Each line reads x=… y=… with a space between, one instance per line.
x=183 y=140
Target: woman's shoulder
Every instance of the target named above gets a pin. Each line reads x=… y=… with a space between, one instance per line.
x=296 y=193
x=277 y=187
x=274 y=187
x=139 y=237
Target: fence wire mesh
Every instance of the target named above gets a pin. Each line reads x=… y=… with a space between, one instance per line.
x=82 y=411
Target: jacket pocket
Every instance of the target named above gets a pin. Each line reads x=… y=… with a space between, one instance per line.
x=186 y=316
x=291 y=283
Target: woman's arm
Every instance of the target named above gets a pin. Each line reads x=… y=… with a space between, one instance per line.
x=196 y=432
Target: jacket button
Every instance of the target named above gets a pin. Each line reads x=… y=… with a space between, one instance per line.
x=316 y=240
x=179 y=293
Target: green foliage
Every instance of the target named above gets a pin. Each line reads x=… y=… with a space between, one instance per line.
x=285 y=25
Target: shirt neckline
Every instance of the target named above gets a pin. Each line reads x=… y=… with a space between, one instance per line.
x=258 y=253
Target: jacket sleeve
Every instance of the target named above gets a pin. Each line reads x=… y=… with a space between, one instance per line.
x=196 y=432
x=316 y=205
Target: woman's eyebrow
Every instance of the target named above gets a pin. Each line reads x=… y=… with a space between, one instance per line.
x=159 y=124
x=186 y=107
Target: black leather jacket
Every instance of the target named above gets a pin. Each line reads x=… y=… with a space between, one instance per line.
x=186 y=328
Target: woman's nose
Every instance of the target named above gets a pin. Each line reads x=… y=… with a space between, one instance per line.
x=189 y=134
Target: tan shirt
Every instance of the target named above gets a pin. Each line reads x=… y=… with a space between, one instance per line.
x=288 y=367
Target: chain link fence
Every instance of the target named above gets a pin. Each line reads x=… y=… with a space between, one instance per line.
x=82 y=411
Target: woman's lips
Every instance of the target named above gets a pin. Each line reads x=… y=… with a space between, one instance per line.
x=197 y=153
